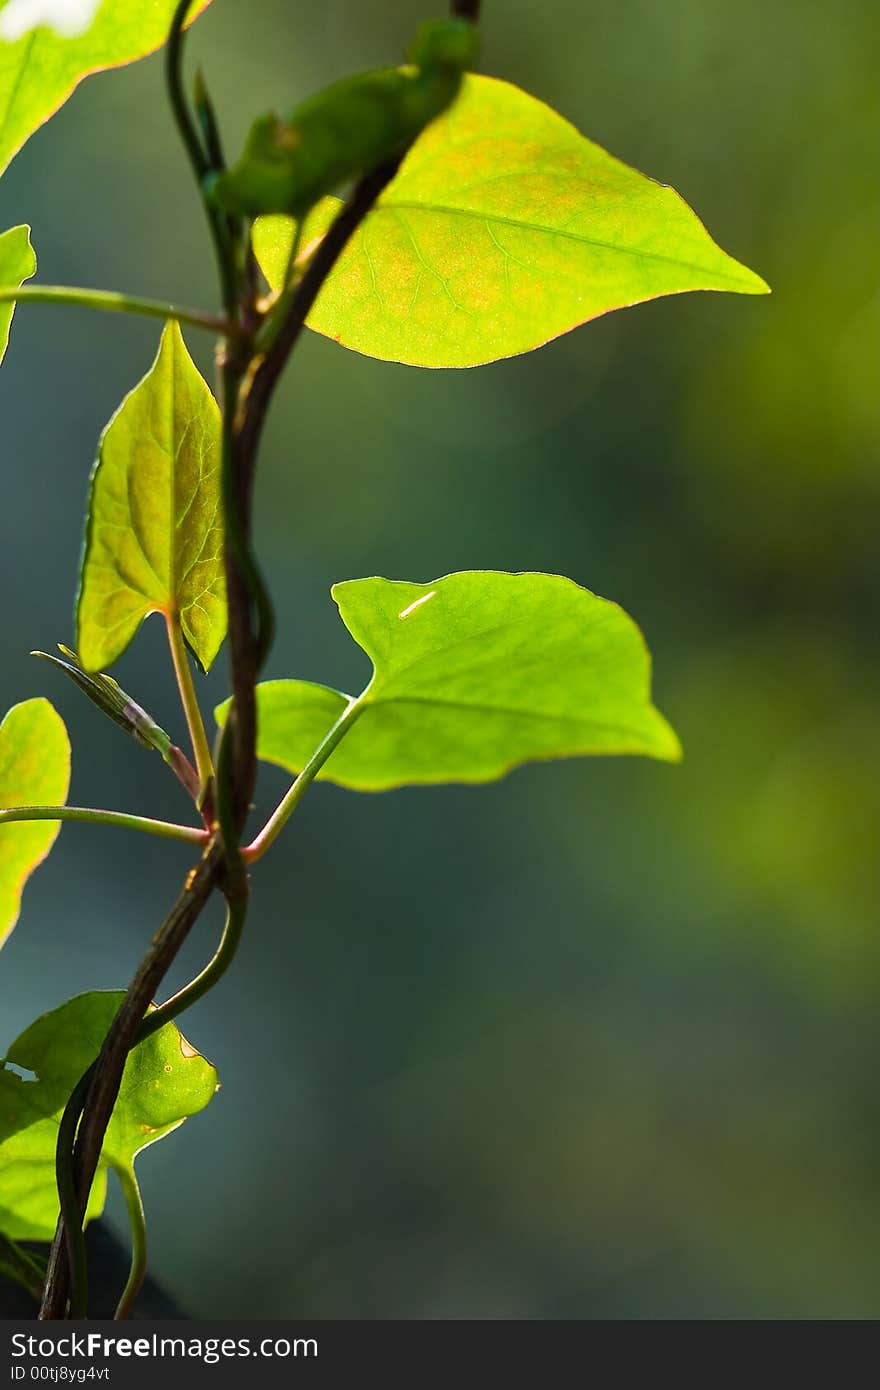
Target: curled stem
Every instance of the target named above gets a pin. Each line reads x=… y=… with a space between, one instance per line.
x=72 y=1204
x=71 y=1217
x=236 y=912
x=248 y=382
x=198 y=157
x=138 y=1224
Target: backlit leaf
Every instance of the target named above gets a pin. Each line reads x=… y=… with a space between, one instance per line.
x=17 y=264
x=473 y=674
x=34 y=771
x=165 y=1080
x=504 y=228
x=154 y=538
x=40 y=70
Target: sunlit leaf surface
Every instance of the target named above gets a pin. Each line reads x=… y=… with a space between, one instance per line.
x=154 y=536
x=473 y=674
x=17 y=264
x=504 y=228
x=34 y=771
x=40 y=69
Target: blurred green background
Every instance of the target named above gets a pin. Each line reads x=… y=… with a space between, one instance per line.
x=599 y=1040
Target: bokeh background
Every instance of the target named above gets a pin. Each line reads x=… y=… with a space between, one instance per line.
x=600 y=1040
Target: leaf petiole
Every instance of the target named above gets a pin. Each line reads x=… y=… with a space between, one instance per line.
x=189 y=700
x=166 y=830
x=112 y=302
x=286 y=807
x=138 y=1224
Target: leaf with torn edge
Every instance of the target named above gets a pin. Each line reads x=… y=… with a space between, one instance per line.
x=164 y=1082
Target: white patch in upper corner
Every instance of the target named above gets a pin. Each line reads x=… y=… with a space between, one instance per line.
x=69 y=18
x=417 y=604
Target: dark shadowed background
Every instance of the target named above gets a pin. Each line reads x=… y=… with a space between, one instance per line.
x=599 y=1040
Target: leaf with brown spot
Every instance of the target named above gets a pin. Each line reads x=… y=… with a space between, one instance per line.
x=161 y=1087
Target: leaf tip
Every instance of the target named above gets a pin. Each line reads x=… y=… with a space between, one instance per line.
x=667 y=745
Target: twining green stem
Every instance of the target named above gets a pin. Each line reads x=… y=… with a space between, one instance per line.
x=71 y=1213
x=249 y=383
x=281 y=815
x=111 y=302
x=166 y=830
x=223 y=230
x=190 y=703
x=71 y=1209
x=236 y=911
x=138 y=1223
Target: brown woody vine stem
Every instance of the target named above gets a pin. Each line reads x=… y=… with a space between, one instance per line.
x=247 y=384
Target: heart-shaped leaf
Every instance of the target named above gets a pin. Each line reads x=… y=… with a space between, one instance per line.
x=154 y=535
x=39 y=68
x=504 y=228
x=34 y=771
x=473 y=674
x=17 y=264
x=165 y=1080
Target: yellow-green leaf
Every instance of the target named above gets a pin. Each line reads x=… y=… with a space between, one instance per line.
x=504 y=228
x=40 y=70
x=473 y=675
x=34 y=771
x=154 y=535
x=28 y=1196
x=17 y=264
x=165 y=1081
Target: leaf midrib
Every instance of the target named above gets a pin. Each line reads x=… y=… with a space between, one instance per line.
x=395 y=205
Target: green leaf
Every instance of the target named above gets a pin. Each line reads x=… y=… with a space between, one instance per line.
x=154 y=537
x=503 y=229
x=23 y=1268
x=34 y=771
x=473 y=675
x=17 y=264
x=40 y=70
x=165 y=1080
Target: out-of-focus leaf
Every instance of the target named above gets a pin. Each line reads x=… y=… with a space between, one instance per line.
x=165 y=1080
x=473 y=674
x=17 y=264
x=34 y=771
x=40 y=70
x=23 y=1268
x=154 y=536
x=504 y=228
